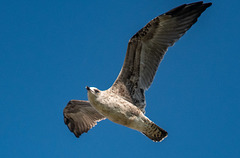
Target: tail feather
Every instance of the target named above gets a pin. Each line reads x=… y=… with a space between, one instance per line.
x=155 y=133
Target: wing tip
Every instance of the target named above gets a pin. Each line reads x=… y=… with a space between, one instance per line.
x=186 y=7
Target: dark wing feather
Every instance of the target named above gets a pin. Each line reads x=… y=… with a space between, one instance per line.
x=147 y=48
x=80 y=116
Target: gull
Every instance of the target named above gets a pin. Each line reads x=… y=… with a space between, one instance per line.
x=124 y=102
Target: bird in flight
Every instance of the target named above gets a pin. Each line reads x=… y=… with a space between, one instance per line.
x=124 y=102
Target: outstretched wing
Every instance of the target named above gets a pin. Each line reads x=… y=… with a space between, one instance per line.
x=80 y=116
x=147 y=48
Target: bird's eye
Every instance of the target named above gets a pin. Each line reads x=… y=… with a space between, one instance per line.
x=96 y=91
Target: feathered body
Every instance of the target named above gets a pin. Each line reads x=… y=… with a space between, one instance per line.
x=124 y=103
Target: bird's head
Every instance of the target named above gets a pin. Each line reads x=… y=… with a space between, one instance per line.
x=93 y=91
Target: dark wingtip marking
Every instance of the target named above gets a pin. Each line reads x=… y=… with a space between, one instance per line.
x=175 y=10
x=190 y=6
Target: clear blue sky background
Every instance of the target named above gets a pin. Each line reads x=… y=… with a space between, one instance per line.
x=50 y=50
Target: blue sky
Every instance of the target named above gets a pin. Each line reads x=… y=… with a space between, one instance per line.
x=51 y=50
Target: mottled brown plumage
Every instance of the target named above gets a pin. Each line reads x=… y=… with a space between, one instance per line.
x=124 y=103
x=147 y=48
x=80 y=116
